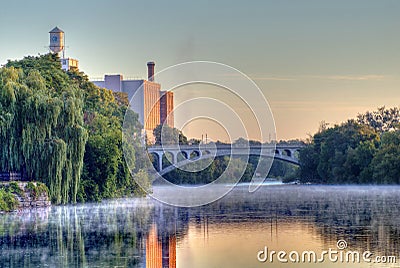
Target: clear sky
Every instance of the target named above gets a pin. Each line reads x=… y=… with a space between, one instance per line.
x=314 y=60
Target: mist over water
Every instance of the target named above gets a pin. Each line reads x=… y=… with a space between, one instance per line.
x=141 y=232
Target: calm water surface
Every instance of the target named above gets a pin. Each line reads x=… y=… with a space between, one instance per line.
x=141 y=232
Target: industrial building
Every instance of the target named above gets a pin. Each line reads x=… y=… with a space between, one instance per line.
x=153 y=105
x=167 y=108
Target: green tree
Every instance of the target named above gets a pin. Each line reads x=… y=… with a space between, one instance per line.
x=164 y=134
x=59 y=128
x=358 y=161
x=42 y=130
x=385 y=164
x=382 y=120
x=340 y=154
x=309 y=160
x=111 y=158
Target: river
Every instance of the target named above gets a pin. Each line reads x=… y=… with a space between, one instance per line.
x=239 y=230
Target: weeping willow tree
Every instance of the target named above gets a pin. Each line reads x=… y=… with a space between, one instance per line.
x=42 y=133
x=59 y=128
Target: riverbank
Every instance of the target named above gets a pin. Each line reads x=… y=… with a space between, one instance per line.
x=18 y=195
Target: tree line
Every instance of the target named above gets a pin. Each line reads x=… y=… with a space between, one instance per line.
x=362 y=150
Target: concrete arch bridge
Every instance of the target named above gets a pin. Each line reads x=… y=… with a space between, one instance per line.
x=184 y=154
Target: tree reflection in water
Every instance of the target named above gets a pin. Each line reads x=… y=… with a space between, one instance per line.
x=145 y=233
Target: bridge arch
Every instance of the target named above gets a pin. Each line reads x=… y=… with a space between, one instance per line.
x=195 y=154
x=287 y=152
x=168 y=158
x=156 y=159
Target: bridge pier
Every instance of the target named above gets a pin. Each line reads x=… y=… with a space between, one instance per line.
x=175 y=157
x=159 y=156
x=187 y=154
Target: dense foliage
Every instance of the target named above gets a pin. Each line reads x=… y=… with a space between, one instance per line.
x=59 y=128
x=166 y=135
x=41 y=125
x=366 y=150
x=8 y=200
x=105 y=171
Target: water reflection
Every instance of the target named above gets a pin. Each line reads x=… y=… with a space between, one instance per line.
x=227 y=233
x=100 y=235
x=160 y=249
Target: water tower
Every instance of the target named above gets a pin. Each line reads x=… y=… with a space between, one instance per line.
x=57 y=45
x=56 y=40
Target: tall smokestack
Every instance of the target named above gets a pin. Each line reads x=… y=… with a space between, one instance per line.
x=150 y=71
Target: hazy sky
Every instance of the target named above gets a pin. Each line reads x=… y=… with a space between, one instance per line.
x=313 y=60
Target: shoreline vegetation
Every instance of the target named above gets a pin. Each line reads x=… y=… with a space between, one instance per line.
x=59 y=129
x=18 y=195
x=365 y=150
